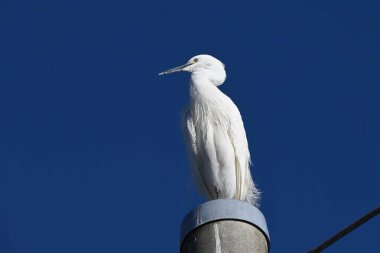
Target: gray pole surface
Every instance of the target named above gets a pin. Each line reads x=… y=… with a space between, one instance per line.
x=224 y=225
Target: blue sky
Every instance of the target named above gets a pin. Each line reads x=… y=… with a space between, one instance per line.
x=91 y=154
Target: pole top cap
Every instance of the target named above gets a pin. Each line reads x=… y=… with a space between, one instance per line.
x=224 y=209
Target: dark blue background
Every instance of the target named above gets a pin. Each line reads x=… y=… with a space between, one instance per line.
x=91 y=155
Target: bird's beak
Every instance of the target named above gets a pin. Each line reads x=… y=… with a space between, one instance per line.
x=179 y=68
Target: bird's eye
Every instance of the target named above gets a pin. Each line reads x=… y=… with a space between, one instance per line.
x=195 y=59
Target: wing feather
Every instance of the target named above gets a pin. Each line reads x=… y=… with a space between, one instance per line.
x=245 y=188
x=189 y=133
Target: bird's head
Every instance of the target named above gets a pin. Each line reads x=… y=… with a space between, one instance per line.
x=203 y=66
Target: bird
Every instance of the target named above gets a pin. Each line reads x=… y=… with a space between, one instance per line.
x=214 y=134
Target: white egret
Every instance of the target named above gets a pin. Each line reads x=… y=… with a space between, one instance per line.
x=215 y=135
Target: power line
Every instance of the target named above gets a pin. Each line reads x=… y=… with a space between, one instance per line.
x=346 y=230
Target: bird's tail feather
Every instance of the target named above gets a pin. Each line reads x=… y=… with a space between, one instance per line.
x=253 y=193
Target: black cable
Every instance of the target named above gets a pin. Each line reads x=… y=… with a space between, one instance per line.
x=346 y=231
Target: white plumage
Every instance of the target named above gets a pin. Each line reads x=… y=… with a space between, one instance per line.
x=215 y=135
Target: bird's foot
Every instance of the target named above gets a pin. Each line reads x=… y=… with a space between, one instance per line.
x=217 y=192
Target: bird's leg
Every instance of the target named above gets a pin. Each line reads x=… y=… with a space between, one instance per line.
x=217 y=193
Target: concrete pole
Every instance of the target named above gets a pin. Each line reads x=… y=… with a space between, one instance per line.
x=224 y=226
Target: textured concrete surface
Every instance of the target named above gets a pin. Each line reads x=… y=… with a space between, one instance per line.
x=225 y=236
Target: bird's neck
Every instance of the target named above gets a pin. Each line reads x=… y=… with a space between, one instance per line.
x=201 y=88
